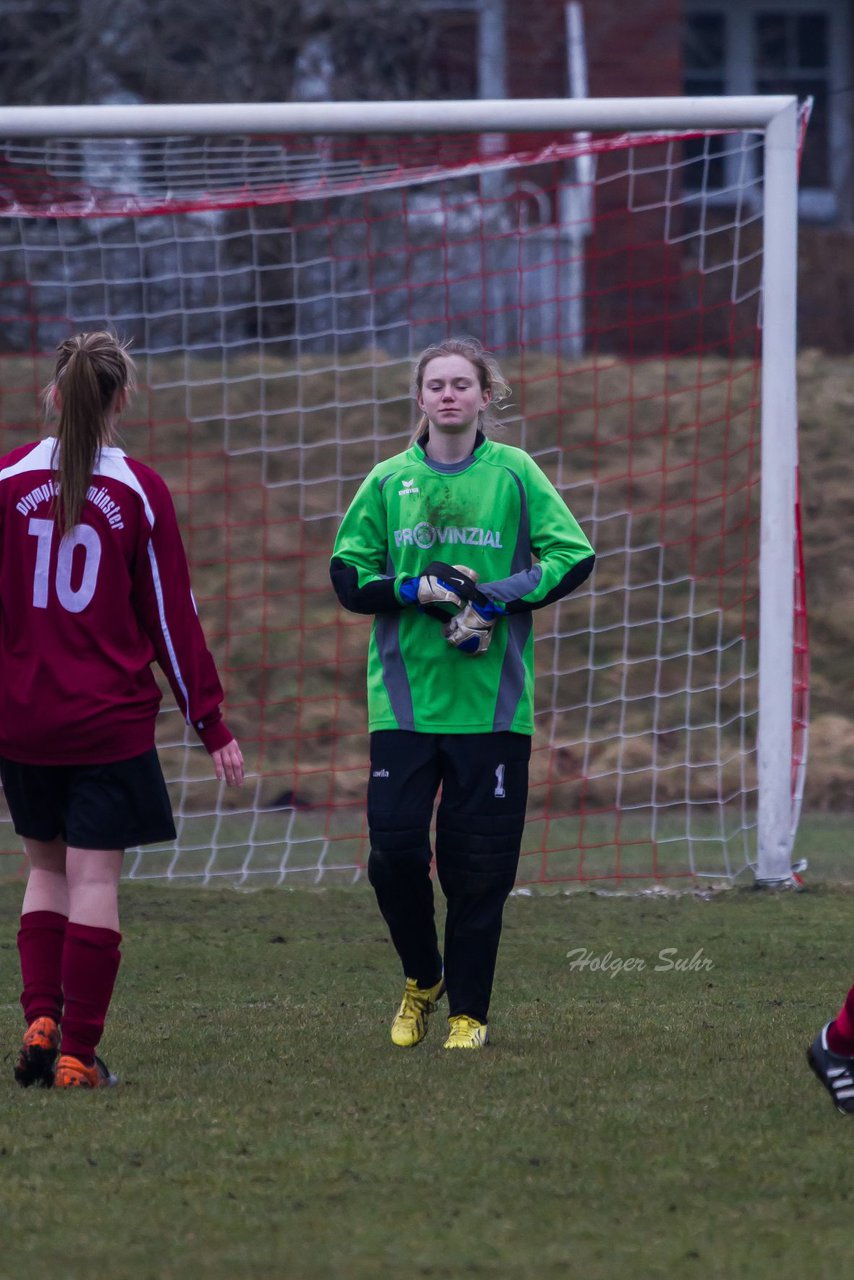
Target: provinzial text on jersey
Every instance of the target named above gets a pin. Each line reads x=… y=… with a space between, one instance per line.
x=426 y=535
x=47 y=492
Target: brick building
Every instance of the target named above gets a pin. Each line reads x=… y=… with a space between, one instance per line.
x=498 y=48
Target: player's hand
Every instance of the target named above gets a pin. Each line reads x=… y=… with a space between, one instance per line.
x=441 y=583
x=228 y=762
x=470 y=630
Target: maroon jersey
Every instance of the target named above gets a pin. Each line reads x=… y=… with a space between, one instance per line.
x=83 y=618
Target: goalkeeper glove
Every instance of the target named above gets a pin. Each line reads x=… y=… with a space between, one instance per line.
x=470 y=630
x=440 y=583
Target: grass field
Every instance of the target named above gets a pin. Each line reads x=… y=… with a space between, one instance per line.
x=653 y=1121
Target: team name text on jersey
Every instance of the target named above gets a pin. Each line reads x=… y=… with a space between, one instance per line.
x=42 y=493
x=47 y=492
x=426 y=535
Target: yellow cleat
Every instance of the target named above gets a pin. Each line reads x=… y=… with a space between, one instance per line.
x=466 y=1033
x=410 y=1022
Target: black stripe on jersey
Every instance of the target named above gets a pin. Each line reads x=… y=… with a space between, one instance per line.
x=374 y=597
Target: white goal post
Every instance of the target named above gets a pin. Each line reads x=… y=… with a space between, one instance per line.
x=777 y=120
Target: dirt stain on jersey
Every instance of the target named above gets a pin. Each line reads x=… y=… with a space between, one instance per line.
x=446 y=511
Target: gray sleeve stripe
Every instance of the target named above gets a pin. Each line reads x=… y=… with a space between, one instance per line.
x=515 y=587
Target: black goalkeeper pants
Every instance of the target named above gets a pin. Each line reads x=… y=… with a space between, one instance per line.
x=479 y=823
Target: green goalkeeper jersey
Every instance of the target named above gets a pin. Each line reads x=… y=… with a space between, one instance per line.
x=495 y=513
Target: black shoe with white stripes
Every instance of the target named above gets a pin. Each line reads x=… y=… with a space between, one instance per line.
x=834 y=1072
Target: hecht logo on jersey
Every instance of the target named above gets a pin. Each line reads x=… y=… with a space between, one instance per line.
x=426 y=535
x=409 y=486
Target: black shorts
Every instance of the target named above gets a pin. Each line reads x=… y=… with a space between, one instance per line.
x=483 y=776
x=90 y=806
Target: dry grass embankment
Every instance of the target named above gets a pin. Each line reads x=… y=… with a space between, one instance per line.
x=260 y=515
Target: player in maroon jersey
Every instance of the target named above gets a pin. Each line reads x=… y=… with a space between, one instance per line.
x=831 y=1056
x=94 y=588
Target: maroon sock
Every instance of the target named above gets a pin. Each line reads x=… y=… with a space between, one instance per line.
x=40 y=942
x=840 y=1033
x=90 y=962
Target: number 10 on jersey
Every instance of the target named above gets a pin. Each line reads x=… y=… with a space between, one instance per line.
x=84 y=536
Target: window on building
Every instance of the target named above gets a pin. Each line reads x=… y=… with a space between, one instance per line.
x=778 y=46
x=704 y=64
x=793 y=56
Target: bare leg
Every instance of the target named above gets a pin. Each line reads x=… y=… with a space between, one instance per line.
x=47 y=887
x=93 y=886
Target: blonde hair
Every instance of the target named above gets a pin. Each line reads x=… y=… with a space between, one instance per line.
x=489 y=375
x=91 y=368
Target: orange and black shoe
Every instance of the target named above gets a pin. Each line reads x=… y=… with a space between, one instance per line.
x=36 y=1059
x=71 y=1073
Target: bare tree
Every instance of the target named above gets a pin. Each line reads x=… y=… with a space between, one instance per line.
x=67 y=52
x=83 y=51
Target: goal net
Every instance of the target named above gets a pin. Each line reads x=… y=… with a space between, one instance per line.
x=277 y=287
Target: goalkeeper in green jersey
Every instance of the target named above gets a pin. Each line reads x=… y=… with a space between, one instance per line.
x=451 y=545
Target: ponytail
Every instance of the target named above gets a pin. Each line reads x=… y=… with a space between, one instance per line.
x=91 y=370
